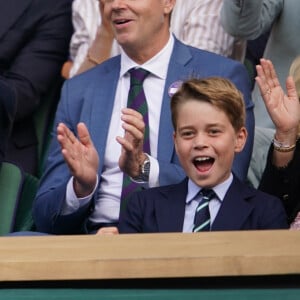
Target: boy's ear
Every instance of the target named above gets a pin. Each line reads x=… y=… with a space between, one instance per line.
x=241 y=138
x=174 y=140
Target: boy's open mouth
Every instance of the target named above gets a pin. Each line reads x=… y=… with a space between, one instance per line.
x=203 y=163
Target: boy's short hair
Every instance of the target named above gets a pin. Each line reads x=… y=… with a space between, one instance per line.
x=219 y=92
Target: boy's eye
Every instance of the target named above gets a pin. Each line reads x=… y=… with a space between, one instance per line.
x=187 y=133
x=214 y=131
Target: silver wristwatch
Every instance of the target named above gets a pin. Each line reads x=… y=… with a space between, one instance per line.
x=144 y=171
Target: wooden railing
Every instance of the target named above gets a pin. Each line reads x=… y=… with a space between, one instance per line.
x=169 y=255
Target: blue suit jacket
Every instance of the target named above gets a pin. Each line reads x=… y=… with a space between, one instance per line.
x=89 y=98
x=162 y=209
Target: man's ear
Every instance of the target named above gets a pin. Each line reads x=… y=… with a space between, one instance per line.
x=241 y=138
x=169 y=5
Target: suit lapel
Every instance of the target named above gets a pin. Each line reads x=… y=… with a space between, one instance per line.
x=170 y=207
x=103 y=92
x=235 y=208
x=10 y=12
x=177 y=71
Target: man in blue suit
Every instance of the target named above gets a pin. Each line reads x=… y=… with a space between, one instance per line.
x=208 y=117
x=81 y=186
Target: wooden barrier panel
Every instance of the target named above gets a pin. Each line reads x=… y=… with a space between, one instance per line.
x=164 y=255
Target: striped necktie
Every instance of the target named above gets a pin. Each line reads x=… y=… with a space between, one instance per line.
x=137 y=101
x=202 y=215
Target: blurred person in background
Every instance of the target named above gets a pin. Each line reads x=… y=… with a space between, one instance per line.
x=34 y=39
x=281 y=174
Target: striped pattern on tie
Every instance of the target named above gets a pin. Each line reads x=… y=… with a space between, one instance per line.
x=202 y=215
x=137 y=100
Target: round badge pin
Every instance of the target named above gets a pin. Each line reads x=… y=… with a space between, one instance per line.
x=174 y=87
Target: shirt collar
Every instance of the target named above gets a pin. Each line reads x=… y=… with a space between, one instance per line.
x=153 y=65
x=220 y=189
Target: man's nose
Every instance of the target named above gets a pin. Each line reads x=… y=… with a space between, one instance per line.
x=118 y=3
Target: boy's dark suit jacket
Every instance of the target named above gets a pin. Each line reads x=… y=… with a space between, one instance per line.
x=162 y=210
x=34 y=44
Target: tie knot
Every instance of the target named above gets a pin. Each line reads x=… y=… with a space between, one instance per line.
x=207 y=194
x=137 y=76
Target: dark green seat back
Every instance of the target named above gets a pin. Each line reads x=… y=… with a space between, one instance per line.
x=23 y=218
x=11 y=182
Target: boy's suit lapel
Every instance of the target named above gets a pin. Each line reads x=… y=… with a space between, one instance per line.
x=10 y=12
x=170 y=208
x=235 y=208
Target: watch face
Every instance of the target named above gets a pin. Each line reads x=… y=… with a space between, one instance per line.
x=145 y=170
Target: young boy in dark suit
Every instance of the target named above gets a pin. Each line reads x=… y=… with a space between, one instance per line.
x=208 y=117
